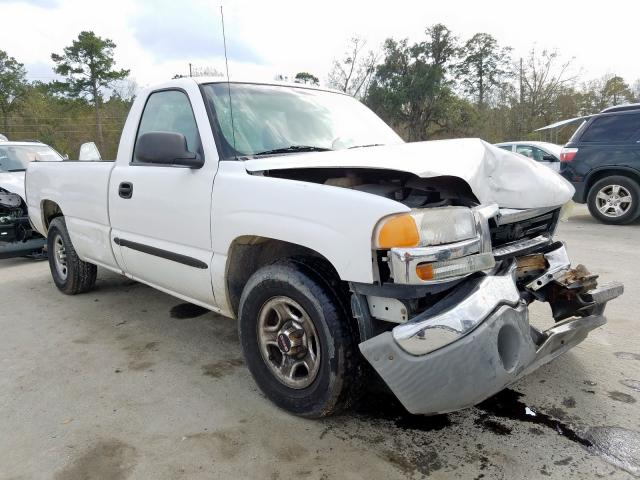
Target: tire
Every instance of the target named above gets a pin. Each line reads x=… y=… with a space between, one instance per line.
x=70 y=274
x=317 y=388
x=614 y=189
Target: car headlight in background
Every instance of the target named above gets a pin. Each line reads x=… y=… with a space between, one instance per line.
x=423 y=228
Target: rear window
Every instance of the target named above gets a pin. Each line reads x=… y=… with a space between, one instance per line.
x=612 y=128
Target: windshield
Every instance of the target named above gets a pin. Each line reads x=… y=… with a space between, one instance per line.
x=272 y=119
x=15 y=158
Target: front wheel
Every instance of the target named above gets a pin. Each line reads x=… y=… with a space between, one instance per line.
x=70 y=274
x=614 y=200
x=297 y=340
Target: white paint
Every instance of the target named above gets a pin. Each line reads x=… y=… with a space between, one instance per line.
x=13 y=182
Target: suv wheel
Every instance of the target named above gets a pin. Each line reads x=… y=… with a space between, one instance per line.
x=614 y=200
x=298 y=341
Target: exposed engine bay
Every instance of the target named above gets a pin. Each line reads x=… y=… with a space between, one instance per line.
x=404 y=187
x=17 y=237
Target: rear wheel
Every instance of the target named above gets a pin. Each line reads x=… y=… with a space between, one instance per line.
x=297 y=340
x=614 y=200
x=70 y=274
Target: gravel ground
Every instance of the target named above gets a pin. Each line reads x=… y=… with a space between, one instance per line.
x=127 y=382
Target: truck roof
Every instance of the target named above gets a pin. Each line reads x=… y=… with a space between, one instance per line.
x=255 y=81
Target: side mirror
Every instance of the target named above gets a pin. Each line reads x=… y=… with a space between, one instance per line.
x=166 y=148
x=549 y=158
x=89 y=153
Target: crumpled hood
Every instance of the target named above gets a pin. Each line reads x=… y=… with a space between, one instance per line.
x=494 y=175
x=13 y=182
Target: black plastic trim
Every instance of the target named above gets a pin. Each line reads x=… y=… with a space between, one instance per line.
x=158 y=252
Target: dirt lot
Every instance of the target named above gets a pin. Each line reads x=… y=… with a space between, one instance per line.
x=127 y=382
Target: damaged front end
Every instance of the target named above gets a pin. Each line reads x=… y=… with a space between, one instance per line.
x=17 y=237
x=465 y=335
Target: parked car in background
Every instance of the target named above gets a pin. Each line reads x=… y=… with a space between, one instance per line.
x=17 y=238
x=545 y=153
x=602 y=161
x=331 y=241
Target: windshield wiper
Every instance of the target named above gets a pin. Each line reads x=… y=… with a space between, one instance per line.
x=368 y=145
x=293 y=149
x=17 y=170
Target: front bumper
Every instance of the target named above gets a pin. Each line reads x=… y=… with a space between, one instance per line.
x=479 y=341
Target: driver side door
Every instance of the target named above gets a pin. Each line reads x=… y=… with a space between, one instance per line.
x=160 y=213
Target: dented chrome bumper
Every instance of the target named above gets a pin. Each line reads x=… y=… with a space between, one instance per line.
x=478 y=339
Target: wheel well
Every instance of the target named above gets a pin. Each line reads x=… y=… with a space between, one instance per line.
x=250 y=253
x=600 y=174
x=50 y=210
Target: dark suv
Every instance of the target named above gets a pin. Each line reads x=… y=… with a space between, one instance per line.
x=602 y=161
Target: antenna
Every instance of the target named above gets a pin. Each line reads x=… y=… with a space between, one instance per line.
x=226 y=63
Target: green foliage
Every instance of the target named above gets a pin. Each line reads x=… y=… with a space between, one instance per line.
x=66 y=123
x=12 y=85
x=88 y=67
x=410 y=88
x=483 y=67
x=306 y=78
x=436 y=88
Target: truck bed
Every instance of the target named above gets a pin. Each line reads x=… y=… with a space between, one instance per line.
x=80 y=191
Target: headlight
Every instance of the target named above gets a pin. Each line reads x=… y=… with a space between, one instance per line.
x=425 y=227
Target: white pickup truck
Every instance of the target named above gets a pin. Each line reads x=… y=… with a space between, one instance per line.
x=299 y=212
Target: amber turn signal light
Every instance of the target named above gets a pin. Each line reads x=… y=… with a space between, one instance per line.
x=399 y=231
x=424 y=271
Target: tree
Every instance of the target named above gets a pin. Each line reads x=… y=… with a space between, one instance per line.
x=306 y=78
x=483 y=67
x=353 y=73
x=544 y=76
x=88 y=66
x=12 y=85
x=410 y=88
x=617 y=91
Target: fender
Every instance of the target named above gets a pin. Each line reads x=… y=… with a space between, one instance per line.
x=336 y=222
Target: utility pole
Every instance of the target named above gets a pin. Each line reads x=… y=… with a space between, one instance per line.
x=190 y=73
x=521 y=100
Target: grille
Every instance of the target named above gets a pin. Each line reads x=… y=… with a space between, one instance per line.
x=529 y=228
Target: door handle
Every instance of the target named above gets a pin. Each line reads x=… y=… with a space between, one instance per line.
x=125 y=190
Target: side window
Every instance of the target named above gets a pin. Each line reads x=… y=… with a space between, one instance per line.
x=169 y=111
x=525 y=150
x=532 y=152
x=505 y=147
x=612 y=128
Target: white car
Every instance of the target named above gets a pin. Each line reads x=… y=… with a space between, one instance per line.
x=546 y=153
x=299 y=212
x=17 y=238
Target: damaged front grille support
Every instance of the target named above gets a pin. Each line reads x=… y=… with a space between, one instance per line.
x=570 y=292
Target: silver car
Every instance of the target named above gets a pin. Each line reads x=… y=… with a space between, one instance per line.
x=546 y=153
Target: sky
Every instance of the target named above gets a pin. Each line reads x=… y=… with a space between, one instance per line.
x=158 y=39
